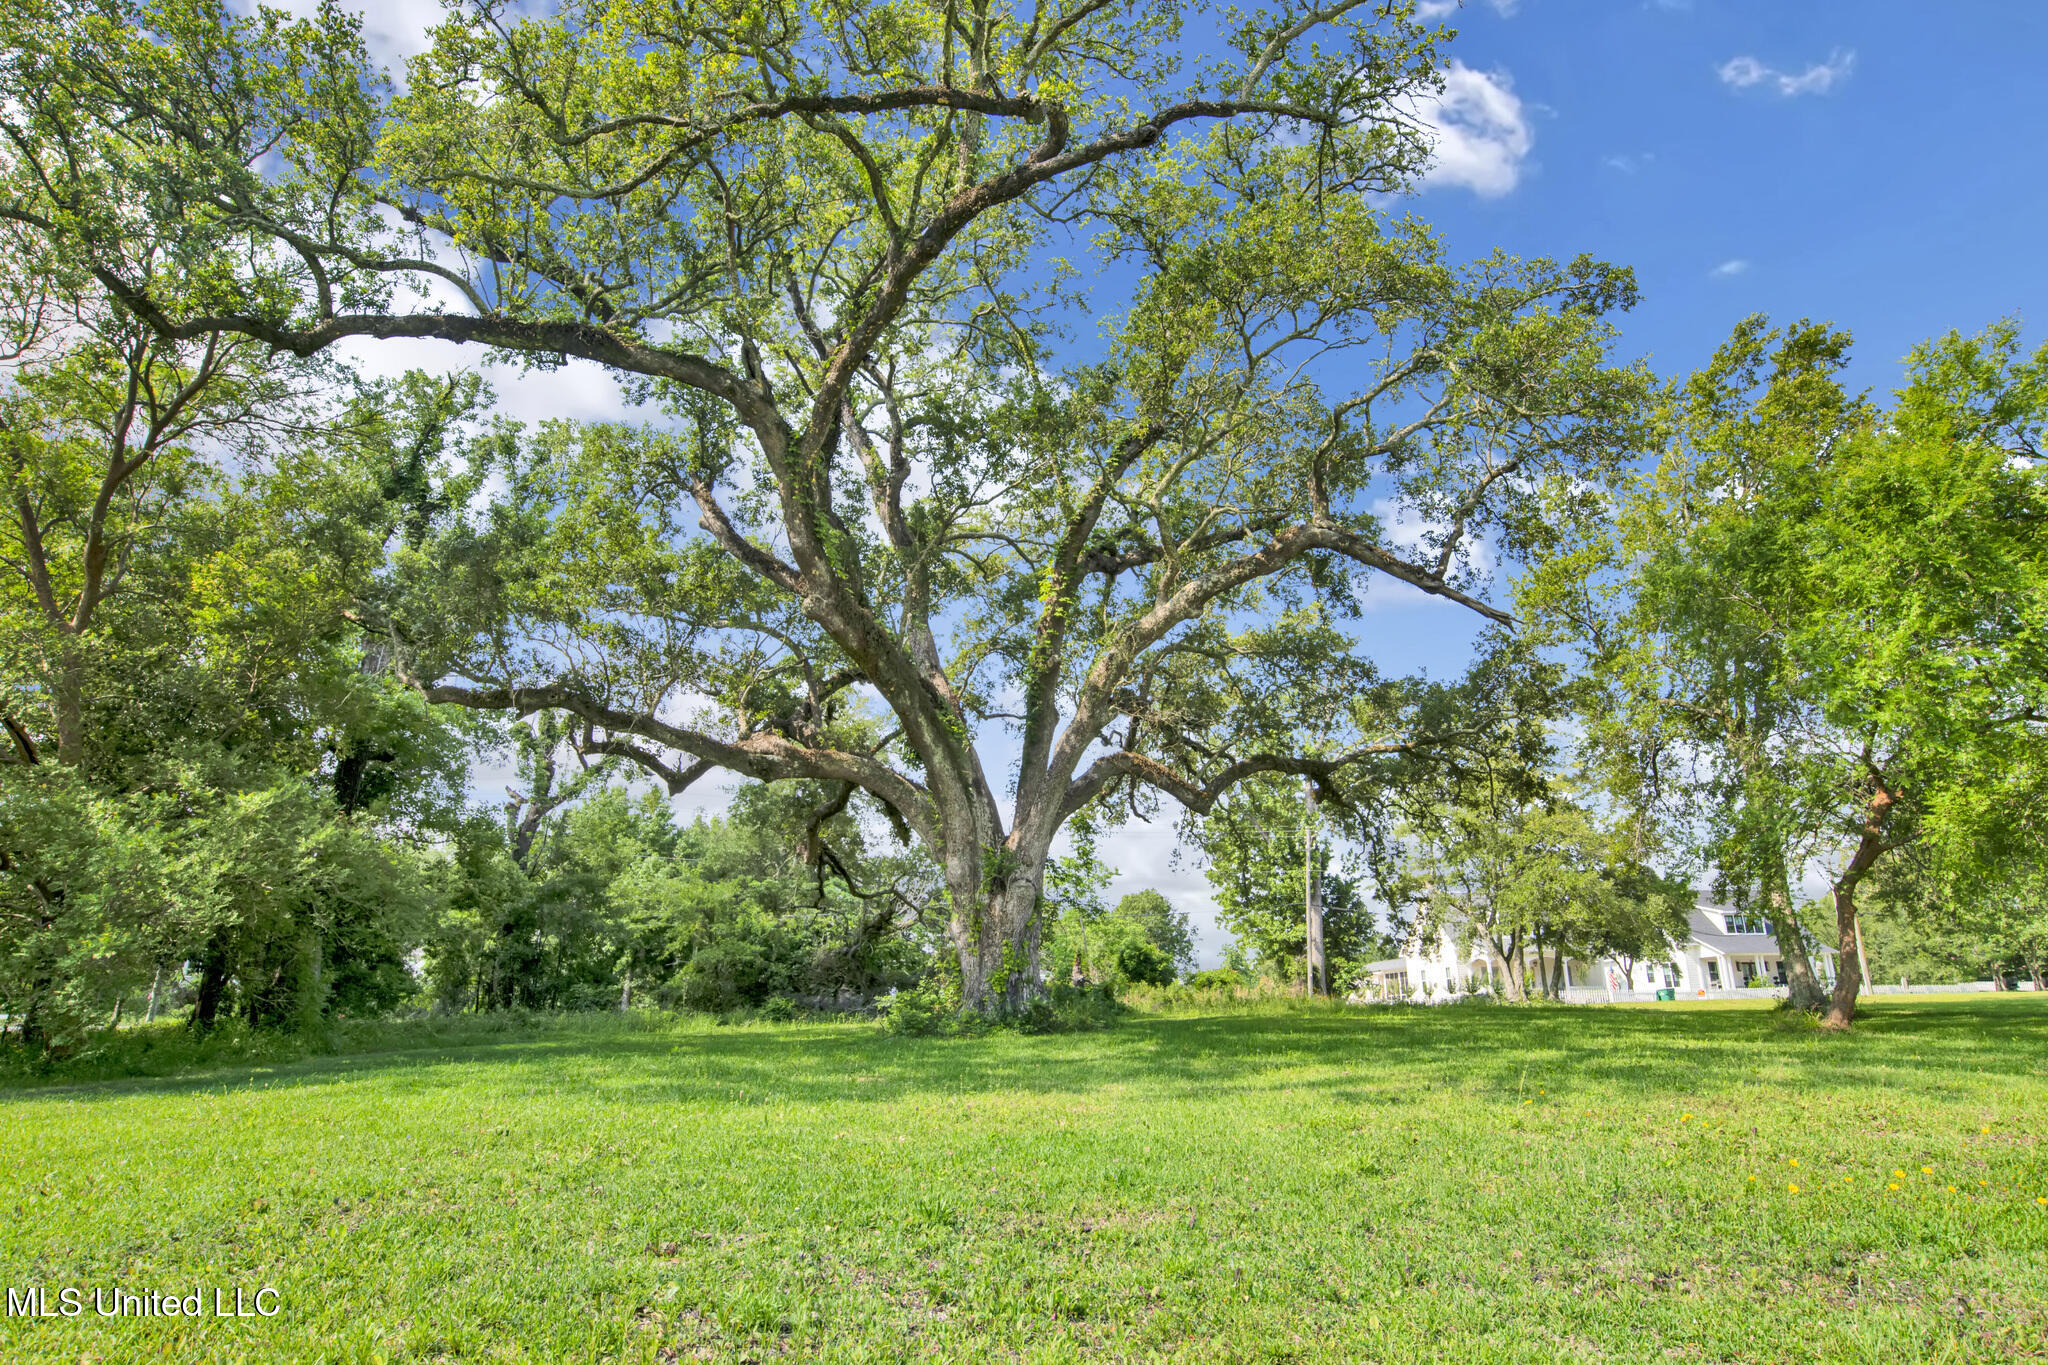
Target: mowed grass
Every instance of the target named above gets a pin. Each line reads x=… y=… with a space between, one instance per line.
x=1286 y=1184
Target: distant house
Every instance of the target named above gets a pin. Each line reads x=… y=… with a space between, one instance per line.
x=1726 y=952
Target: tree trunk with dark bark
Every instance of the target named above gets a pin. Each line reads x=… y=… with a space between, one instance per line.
x=213 y=982
x=33 y=1032
x=1849 y=969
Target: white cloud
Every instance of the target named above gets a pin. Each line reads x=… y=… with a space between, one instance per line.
x=579 y=389
x=1148 y=856
x=1479 y=132
x=1744 y=72
x=1628 y=163
x=1420 y=541
x=1728 y=269
x=392 y=29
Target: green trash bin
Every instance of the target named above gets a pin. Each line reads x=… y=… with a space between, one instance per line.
x=1667 y=994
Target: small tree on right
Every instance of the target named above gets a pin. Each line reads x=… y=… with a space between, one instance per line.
x=1818 y=631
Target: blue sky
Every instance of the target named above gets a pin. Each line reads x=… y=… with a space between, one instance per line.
x=1873 y=163
x=1868 y=162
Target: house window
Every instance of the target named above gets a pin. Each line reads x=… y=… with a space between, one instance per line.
x=1741 y=923
x=1713 y=973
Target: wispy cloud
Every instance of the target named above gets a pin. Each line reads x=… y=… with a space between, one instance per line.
x=1728 y=269
x=1744 y=72
x=1628 y=163
x=1427 y=10
x=1480 y=133
x=393 y=30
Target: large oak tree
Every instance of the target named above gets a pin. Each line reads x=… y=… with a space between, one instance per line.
x=911 y=518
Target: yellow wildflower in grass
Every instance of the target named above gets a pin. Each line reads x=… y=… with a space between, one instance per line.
x=1927 y=1170
x=1794 y=1161
x=1793 y=1188
x=1899 y=1174
x=2041 y=1199
x=1951 y=1189
x=1894 y=1185
x=1985 y=1129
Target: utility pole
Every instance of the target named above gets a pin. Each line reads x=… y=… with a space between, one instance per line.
x=1318 y=967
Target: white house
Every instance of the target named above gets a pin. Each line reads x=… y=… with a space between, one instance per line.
x=1725 y=953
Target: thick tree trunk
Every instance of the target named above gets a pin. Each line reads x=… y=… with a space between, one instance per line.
x=1803 y=988
x=1510 y=955
x=997 y=939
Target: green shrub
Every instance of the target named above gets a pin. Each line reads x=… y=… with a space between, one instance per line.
x=1216 y=979
x=1070 y=1009
x=917 y=1012
x=725 y=976
x=1124 y=955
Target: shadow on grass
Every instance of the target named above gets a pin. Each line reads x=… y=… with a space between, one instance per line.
x=1366 y=1056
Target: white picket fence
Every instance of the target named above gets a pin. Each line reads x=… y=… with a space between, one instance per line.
x=1585 y=995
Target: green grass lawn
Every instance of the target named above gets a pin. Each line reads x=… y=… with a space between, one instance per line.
x=1377 y=1185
